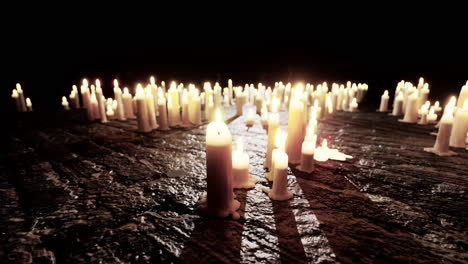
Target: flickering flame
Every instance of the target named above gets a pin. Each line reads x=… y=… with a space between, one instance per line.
x=18 y=87
x=28 y=102
x=98 y=83
x=218 y=116
x=452 y=101
x=436 y=104
x=152 y=80
x=465 y=105
x=64 y=100
x=421 y=80
x=14 y=94
x=385 y=93
x=85 y=82
x=74 y=87
x=240 y=145
x=173 y=85
x=426 y=86
x=126 y=90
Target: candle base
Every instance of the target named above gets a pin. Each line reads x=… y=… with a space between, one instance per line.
x=248 y=184
x=295 y=162
x=186 y=125
x=433 y=133
x=423 y=123
x=305 y=170
x=440 y=153
x=231 y=211
x=278 y=196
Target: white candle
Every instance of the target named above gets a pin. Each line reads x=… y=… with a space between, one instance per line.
x=230 y=91
x=162 y=110
x=94 y=107
x=431 y=116
x=424 y=93
x=250 y=119
x=296 y=131
x=308 y=150
x=85 y=94
x=127 y=104
x=279 y=190
x=273 y=125
x=75 y=99
x=264 y=117
x=65 y=103
x=441 y=146
x=437 y=107
x=29 y=105
x=173 y=111
x=423 y=112
x=23 y=103
x=110 y=112
x=210 y=109
x=240 y=168
x=384 y=102
x=398 y=105
x=15 y=96
x=411 y=111
x=151 y=110
x=101 y=104
x=118 y=97
x=195 y=109
x=185 y=110
x=240 y=101
x=322 y=153
x=463 y=95
x=460 y=127
x=353 y=106
x=220 y=198
x=142 y=110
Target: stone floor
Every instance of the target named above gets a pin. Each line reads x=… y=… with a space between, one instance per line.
x=78 y=192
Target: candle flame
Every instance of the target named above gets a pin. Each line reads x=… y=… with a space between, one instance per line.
x=152 y=80
x=385 y=93
x=85 y=82
x=116 y=83
x=218 y=117
x=28 y=102
x=98 y=83
x=18 y=87
x=64 y=99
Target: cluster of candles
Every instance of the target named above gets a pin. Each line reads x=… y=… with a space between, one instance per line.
x=22 y=104
x=412 y=102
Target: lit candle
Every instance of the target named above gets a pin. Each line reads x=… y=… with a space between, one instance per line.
x=308 y=150
x=154 y=92
x=101 y=104
x=142 y=110
x=441 y=146
x=273 y=125
x=240 y=168
x=94 y=107
x=195 y=108
x=220 y=197
x=463 y=95
x=431 y=116
x=230 y=91
x=423 y=112
x=110 y=112
x=21 y=99
x=264 y=117
x=411 y=111
x=75 y=99
x=279 y=190
x=240 y=100
x=296 y=131
x=384 y=102
x=29 y=105
x=250 y=119
x=424 y=93
x=65 y=103
x=85 y=94
x=460 y=127
x=162 y=110
x=185 y=110
x=15 y=96
x=437 y=107
x=210 y=109
x=118 y=97
x=353 y=106
x=127 y=104
x=151 y=110
x=398 y=105
x=173 y=111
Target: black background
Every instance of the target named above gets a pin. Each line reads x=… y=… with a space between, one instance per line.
x=47 y=54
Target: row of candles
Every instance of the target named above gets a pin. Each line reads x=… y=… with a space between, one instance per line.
x=411 y=102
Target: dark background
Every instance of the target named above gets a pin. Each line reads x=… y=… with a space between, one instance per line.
x=48 y=55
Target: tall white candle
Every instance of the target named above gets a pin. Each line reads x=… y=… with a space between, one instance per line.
x=15 y=96
x=173 y=111
x=384 y=102
x=411 y=111
x=273 y=125
x=220 y=197
x=210 y=109
x=162 y=110
x=127 y=104
x=308 y=149
x=118 y=97
x=250 y=118
x=142 y=110
x=441 y=146
x=463 y=95
x=101 y=104
x=296 y=131
x=65 y=103
x=460 y=127
x=398 y=105
x=151 y=110
x=185 y=110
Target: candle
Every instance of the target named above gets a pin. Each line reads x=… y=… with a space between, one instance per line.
x=423 y=112
x=463 y=95
x=210 y=109
x=118 y=97
x=127 y=104
x=110 y=112
x=75 y=99
x=250 y=119
x=65 y=103
x=441 y=146
x=15 y=96
x=398 y=105
x=185 y=110
x=142 y=110
x=273 y=125
x=264 y=117
x=86 y=96
x=308 y=150
x=411 y=111
x=101 y=104
x=437 y=107
x=431 y=116
x=151 y=109
x=279 y=190
x=195 y=109
x=321 y=153
x=230 y=91
x=240 y=168
x=94 y=107
x=296 y=131
x=384 y=102
x=29 y=105
x=460 y=127
x=424 y=93
x=23 y=103
x=220 y=197
x=353 y=106
x=173 y=111
x=240 y=101
x=162 y=110
x=154 y=93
